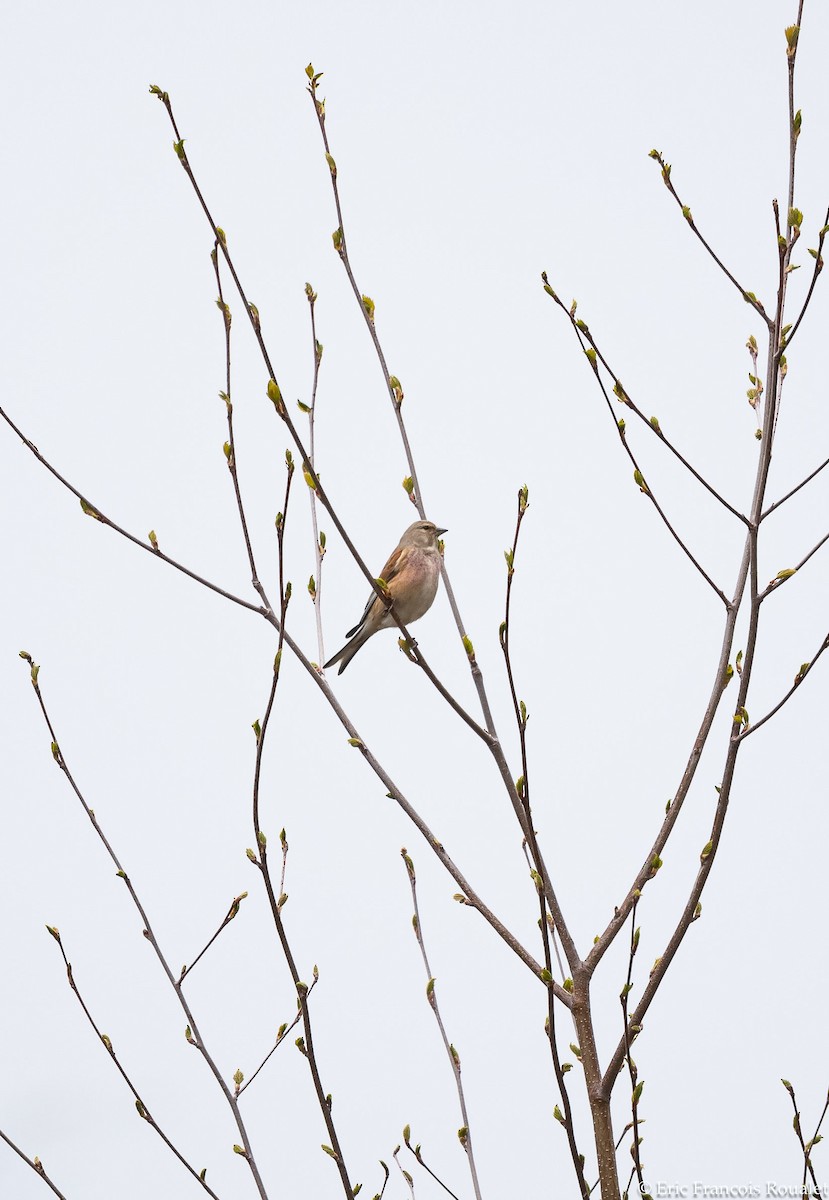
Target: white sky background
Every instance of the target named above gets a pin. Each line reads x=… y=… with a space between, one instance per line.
x=475 y=148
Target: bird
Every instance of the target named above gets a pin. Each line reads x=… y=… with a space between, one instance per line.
x=411 y=575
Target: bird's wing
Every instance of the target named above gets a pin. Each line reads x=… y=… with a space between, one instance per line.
x=392 y=568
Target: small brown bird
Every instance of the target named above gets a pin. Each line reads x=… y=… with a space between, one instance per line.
x=411 y=574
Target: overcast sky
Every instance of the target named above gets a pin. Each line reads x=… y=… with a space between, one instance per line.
x=476 y=145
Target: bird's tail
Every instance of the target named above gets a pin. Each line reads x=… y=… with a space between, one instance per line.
x=344 y=656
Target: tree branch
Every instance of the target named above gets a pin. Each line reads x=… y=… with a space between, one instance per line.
x=749 y=297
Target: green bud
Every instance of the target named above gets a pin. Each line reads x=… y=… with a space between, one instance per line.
x=275 y=396
x=89 y=510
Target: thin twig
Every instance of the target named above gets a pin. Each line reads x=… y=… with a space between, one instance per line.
x=319 y=539
x=808 y=1169
x=565 y=1119
x=407 y=1177
x=148 y=546
x=624 y=397
x=193 y=1034
x=416 y=1151
x=639 y=477
x=140 y=1106
x=801 y=675
x=232 y=912
x=686 y=212
x=282 y=1033
x=34 y=1163
x=795 y=490
x=785 y=576
x=636 y=1087
x=230 y=447
x=465 y=1133
x=818 y=267
x=276 y=902
x=521 y=717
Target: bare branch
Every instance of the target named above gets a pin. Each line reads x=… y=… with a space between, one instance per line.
x=141 y=1107
x=624 y=397
x=149 y=546
x=195 y=1036
x=784 y=576
x=34 y=1163
x=416 y=1151
x=749 y=297
x=282 y=1033
x=232 y=912
x=794 y=490
x=818 y=267
x=636 y=1087
x=801 y=675
x=230 y=446
x=276 y=901
x=319 y=538
x=465 y=1133
x=806 y=1150
x=638 y=475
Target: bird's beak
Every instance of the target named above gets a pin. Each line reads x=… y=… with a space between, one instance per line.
x=441 y=531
